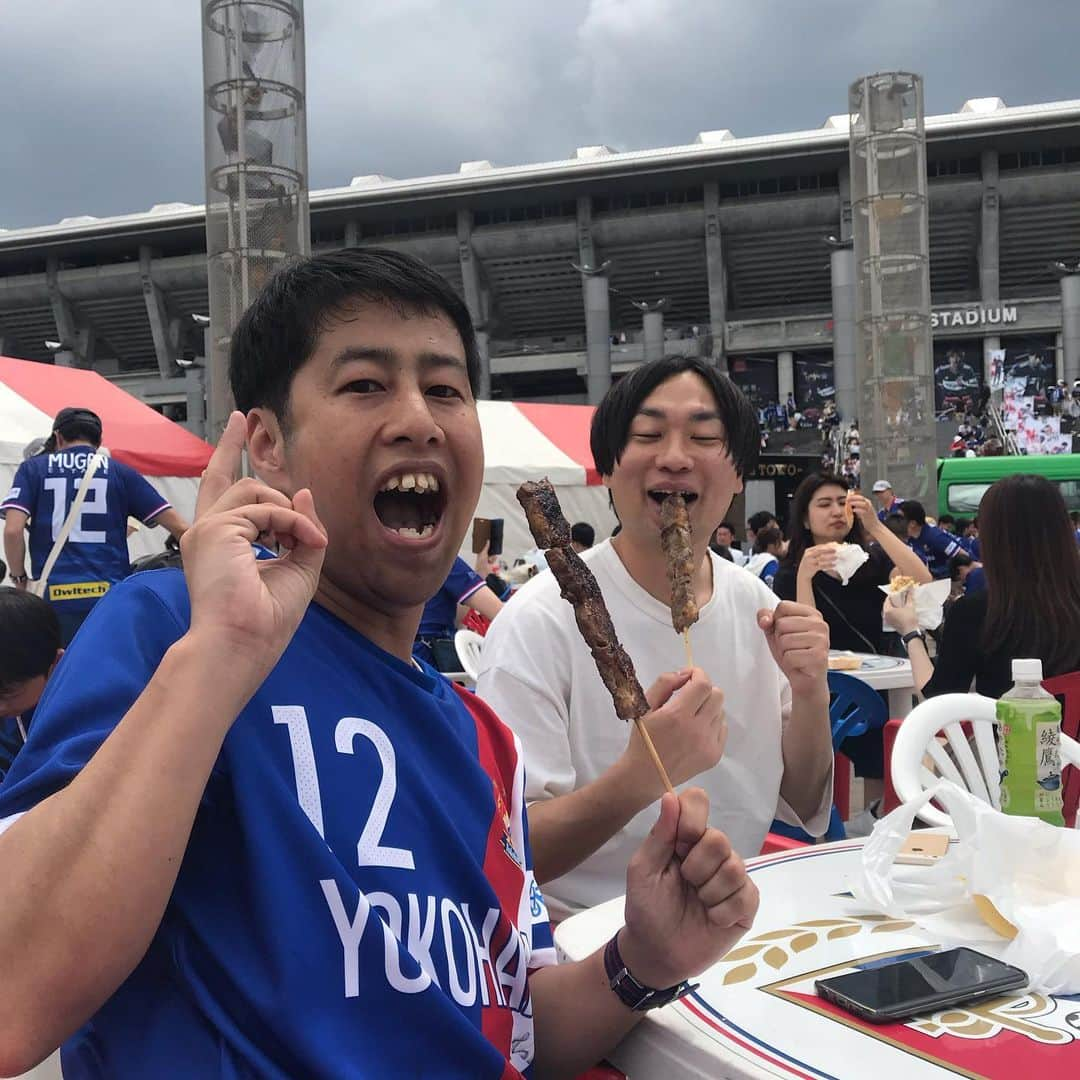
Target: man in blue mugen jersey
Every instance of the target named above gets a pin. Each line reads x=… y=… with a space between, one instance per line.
x=248 y=834
x=94 y=556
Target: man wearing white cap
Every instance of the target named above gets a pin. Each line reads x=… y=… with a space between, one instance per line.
x=887 y=500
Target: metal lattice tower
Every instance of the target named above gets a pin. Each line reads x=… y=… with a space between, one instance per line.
x=256 y=164
x=893 y=344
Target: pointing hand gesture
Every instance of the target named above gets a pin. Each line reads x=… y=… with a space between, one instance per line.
x=249 y=606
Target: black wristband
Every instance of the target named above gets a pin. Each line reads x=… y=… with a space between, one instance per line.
x=19 y=579
x=912 y=634
x=630 y=992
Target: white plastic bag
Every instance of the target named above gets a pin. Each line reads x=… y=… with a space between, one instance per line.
x=1029 y=870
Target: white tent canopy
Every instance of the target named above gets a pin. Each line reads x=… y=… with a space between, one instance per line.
x=170 y=457
x=528 y=442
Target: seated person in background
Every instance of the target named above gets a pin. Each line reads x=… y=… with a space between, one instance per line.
x=671 y=425
x=250 y=835
x=933 y=545
x=769 y=549
x=965 y=574
x=947 y=524
x=29 y=650
x=435 y=636
x=818 y=522
x=756 y=522
x=724 y=538
x=582 y=536
x=1031 y=604
x=896 y=523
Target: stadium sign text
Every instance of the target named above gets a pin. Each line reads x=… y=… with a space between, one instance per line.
x=973 y=316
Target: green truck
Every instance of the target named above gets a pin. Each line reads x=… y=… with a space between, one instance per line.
x=962 y=482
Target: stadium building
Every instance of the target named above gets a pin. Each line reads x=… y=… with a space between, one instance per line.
x=732 y=234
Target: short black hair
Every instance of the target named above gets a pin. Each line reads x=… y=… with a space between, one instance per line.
x=613 y=416
x=583 y=533
x=944 y=519
x=913 y=510
x=957 y=563
x=766 y=538
x=725 y=525
x=760 y=520
x=961 y=525
x=76 y=425
x=278 y=333
x=29 y=638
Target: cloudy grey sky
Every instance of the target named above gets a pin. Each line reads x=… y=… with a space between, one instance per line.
x=103 y=101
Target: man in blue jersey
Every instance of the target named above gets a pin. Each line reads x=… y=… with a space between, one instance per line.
x=886 y=498
x=435 y=636
x=95 y=555
x=249 y=835
x=933 y=545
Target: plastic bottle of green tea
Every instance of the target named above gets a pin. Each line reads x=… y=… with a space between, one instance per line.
x=1029 y=745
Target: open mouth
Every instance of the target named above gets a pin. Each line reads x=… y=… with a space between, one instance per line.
x=411 y=504
x=659 y=496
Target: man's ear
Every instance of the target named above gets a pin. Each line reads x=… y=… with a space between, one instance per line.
x=266 y=447
x=52 y=666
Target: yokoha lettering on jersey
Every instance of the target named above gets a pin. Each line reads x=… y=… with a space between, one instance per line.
x=436 y=932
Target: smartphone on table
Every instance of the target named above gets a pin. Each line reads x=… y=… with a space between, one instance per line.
x=922 y=984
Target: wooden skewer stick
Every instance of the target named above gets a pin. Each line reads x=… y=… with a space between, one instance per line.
x=644 y=732
x=689 y=648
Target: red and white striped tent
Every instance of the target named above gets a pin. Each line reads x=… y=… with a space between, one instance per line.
x=169 y=456
x=526 y=441
x=522 y=442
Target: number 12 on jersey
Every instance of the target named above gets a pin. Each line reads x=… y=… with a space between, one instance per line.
x=95 y=503
x=369 y=850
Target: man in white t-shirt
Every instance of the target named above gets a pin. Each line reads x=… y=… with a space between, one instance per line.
x=672 y=425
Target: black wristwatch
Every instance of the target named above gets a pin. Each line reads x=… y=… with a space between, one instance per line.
x=630 y=992
x=20 y=579
x=921 y=635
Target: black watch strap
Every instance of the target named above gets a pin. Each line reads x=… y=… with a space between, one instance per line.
x=912 y=634
x=629 y=991
x=20 y=578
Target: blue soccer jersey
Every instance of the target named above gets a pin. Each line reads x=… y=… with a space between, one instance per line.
x=440 y=612
x=95 y=556
x=356 y=899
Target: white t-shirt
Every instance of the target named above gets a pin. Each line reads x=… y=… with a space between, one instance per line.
x=538 y=675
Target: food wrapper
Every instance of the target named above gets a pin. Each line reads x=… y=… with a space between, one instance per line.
x=849 y=557
x=1028 y=870
x=929 y=602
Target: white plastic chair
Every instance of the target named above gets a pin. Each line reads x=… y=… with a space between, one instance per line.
x=917 y=739
x=468 y=644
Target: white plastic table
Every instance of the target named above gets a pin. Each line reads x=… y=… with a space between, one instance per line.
x=756 y=1014
x=890 y=673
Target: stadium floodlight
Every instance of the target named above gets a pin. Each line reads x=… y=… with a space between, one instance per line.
x=890 y=226
x=255 y=141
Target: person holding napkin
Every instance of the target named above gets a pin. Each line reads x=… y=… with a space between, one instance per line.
x=826 y=521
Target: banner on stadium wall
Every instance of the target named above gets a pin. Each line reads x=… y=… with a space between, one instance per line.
x=997 y=370
x=814 y=381
x=957 y=375
x=756 y=377
x=1030 y=365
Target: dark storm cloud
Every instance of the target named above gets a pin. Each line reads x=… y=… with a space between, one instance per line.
x=104 y=101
